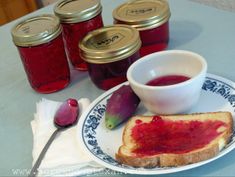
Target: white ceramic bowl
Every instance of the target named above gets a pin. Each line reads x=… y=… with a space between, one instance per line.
x=171 y=99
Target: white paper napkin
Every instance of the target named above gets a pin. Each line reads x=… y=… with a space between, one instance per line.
x=65 y=156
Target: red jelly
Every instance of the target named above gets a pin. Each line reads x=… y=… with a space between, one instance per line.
x=109 y=52
x=166 y=136
x=40 y=45
x=167 y=80
x=150 y=18
x=77 y=19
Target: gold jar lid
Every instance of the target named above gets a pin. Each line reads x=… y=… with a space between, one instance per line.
x=73 y=11
x=143 y=14
x=110 y=44
x=36 y=30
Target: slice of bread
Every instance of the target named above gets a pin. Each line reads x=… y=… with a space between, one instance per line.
x=174 y=140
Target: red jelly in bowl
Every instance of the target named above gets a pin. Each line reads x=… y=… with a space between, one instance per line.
x=40 y=45
x=150 y=18
x=77 y=19
x=167 y=80
x=109 y=52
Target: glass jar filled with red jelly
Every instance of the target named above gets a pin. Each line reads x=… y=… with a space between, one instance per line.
x=150 y=18
x=40 y=44
x=109 y=52
x=78 y=17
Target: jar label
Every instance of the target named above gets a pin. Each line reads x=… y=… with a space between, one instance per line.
x=140 y=11
x=26 y=29
x=108 y=41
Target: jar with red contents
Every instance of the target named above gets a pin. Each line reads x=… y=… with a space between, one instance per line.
x=40 y=45
x=109 y=52
x=78 y=17
x=150 y=18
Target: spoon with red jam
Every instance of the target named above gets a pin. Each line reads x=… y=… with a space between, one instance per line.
x=65 y=117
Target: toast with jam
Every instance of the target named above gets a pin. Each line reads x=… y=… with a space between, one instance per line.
x=174 y=140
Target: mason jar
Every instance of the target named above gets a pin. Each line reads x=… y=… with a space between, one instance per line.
x=78 y=17
x=40 y=45
x=150 y=18
x=109 y=52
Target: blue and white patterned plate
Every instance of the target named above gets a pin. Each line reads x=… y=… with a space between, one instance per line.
x=218 y=94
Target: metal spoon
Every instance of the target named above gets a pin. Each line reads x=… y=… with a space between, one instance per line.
x=65 y=117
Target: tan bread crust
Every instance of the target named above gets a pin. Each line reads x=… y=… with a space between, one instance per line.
x=124 y=154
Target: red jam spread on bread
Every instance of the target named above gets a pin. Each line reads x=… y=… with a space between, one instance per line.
x=166 y=136
x=167 y=80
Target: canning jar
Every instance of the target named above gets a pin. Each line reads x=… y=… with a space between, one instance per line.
x=109 y=52
x=78 y=17
x=40 y=45
x=150 y=18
